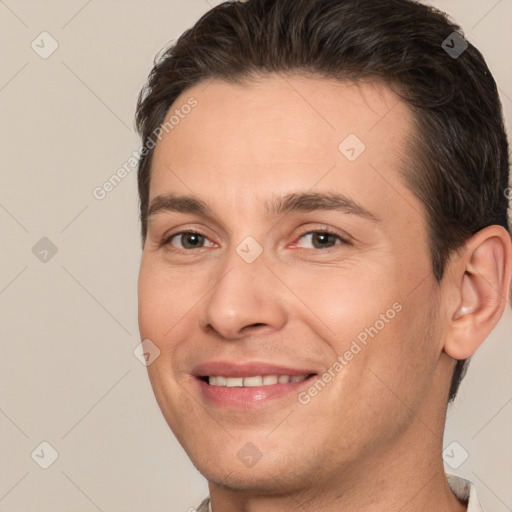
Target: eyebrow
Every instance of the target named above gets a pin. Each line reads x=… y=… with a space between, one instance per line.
x=293 y=202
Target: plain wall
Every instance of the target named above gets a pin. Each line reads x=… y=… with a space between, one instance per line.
x=68 y=375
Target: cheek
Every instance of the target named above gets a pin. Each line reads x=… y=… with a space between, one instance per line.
x=163 y=300
x=402 y=358
x=150 y=293
x=384 y=333
x=348 y=299
x=161 y=315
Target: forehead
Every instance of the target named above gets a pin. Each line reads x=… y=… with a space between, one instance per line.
x=279 y=132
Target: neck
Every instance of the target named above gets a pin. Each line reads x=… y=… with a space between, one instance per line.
x=404 y=483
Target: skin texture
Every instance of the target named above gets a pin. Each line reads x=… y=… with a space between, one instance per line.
x=371 y=439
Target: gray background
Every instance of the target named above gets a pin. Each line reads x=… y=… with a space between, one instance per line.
x=68 y=375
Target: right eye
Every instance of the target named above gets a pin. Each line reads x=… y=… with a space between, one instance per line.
x=186 y=240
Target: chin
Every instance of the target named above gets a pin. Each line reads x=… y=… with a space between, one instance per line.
x=257 y=481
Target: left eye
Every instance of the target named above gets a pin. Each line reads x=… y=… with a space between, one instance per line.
x=322 y=239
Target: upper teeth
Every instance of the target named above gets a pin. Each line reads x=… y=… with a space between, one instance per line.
x=257 y=380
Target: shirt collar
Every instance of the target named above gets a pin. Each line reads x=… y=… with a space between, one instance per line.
x=465 y=491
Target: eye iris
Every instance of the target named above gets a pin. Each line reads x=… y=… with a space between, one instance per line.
x=324 y=240
x=191 y=240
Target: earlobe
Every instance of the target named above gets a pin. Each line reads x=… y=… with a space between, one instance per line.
x=484 y=272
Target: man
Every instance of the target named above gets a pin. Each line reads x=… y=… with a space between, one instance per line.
x=324 y=223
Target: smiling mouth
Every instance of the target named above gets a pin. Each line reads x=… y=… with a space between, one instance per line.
x=253 y=381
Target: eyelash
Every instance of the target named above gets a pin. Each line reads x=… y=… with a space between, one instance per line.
x=344 y=241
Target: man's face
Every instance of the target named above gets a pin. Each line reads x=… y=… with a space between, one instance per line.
x=353 y=281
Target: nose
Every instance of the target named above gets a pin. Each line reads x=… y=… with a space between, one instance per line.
x=247 y=297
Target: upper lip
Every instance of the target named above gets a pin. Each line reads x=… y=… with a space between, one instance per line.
x=247 y=369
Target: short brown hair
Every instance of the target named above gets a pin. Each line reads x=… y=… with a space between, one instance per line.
x=459 y=161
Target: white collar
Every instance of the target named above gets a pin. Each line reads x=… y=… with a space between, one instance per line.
x=466 y=491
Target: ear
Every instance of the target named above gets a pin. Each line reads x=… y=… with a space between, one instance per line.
x=479 y=289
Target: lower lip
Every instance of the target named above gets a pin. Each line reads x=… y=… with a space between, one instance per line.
x=249 y=397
